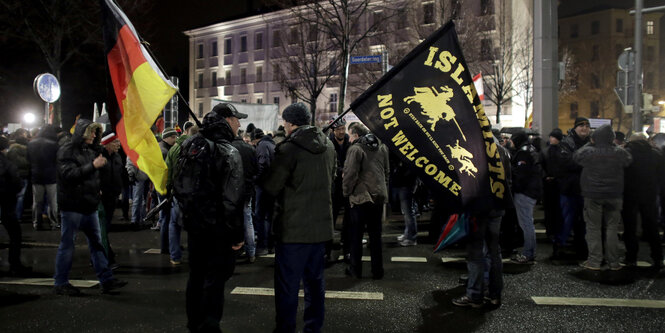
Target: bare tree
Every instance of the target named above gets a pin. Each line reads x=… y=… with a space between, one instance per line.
x=524 y=60
x=60 y=29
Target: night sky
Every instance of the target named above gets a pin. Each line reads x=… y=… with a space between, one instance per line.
x=85 y=80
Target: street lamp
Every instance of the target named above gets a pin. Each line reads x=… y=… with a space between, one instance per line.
x=29 y=118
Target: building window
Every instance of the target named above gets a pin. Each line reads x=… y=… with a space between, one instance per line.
x=243 y=75
x=595 y=27
x=227 y=77
x=650 y=27
x=213 y=79
x=199 y=52
x=313 y=32
x=573 y=110
x=486 y=49
x=333 y=103
x=275 y=100
x=595 y=81
x=276 y=39
x=258 y=42
x=619 y=25
x=486 y=7
x=228 y=44
x=200 y=110
x=275 y=72
x=259 y=101
x=595 y=52
x=649 y=82
x=243 y=44
x=259 y=73
x=213 y=49
x=651 y=51
x=244 y=100
x=595 y=109
x=574 y=31
x=200 y=80
x=428 y=13
x=293 y=36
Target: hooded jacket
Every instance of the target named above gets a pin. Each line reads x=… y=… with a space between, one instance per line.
x=43 y=156
x=526 y=171
x=366 y=171
x=603 y=165
x=265 y=154
x=249 y=166
x=172 y=159
x=78 y=180
x=301 y=178
x=111 y=176
x=18 y=154
x=224 y=206
x=645 y=177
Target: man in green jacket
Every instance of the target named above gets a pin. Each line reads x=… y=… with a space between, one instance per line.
x=175 y=227
x=301 y=178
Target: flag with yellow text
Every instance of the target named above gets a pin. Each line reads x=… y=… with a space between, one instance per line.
x=141 y=90
x=427 y=111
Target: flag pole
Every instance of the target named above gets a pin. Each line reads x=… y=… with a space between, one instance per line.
x=336 y=120
x=189 y=109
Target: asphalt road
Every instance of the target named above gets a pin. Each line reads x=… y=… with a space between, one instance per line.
x=412 y=297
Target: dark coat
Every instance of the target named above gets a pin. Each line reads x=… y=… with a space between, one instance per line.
x=10 y=181
x=78 y=180
x=301 y=178
x=568 y=175
x=110 y=174
x=366 y=171
x=249 y=166
x=43 y=156
x=527 y=171
x=645 y=177
x=265 y=154
x=603 y=165
x=18 y=154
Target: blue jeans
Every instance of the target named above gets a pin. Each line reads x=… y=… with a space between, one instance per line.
x=405 y=195
x=250 y=246
x=293 y=263
x=71 y=222
x=571 y=209
x=263 y=218
x=19 y=199
x=484 y=238
x=138 y=201
x=174 y=231
x=524 y=207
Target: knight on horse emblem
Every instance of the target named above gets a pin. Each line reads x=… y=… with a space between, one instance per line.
x=434 y=104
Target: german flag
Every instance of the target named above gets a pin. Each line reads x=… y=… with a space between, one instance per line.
x=141 y=90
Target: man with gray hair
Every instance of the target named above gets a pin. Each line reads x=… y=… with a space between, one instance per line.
x=301 y=179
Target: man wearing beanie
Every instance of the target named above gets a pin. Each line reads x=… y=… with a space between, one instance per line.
x=548 y=157
x=527 y=187
x=601 y=182
x=265 y=154
x=169 y=136
x=571 y=200
x=301 y=178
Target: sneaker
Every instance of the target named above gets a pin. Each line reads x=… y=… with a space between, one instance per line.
x=493 y=301
x=615 y=267
x=261 y=252
x=251 y=259
x=364 y=241
x=400 y=238
x=66 y=289
x=587 y=265
x=175 y=262
x=155 y=227
x=112 y=284
x=466 y=301
x=629 y=263
x=408 y=242
x=522 y=259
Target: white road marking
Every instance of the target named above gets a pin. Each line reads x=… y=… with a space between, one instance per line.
x=364 y=258
x=422 y=234
x=408 y=259
x=329 y=293
x=446 y=260
x=616 y=302
x=38 y=244
x=153 y=251
x=541 y=231
x=49 y=282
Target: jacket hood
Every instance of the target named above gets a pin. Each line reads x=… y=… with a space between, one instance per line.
x=181 y=139
x=309 y=138
x=603 y=135
x=48 y=132
x=216 y=128
x=84 y=129
x=370 y=141
x=267 y=138
x=639 y=145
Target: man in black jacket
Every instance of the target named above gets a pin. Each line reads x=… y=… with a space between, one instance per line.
x=643 y=182
x=527 y=188
x=214 y=228
x=263 y=211
x=43 y=155
x=111 y=184
x=571 y=199
x=340 y=141
x=79 y=161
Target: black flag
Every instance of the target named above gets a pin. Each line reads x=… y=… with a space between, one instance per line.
x=427 y=111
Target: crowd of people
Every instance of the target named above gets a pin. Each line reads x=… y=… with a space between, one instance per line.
x=282 y=192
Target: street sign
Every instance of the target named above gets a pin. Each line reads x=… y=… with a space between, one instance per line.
x=597 y=122
x=626 y=61
x=47 y=87
x=372 y=59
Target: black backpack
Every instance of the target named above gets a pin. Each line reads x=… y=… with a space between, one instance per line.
x=194 y=183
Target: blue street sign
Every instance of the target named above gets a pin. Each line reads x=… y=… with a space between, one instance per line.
x=373 y=59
